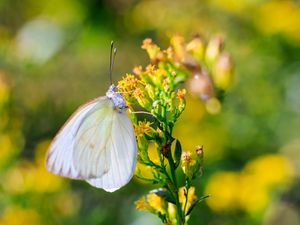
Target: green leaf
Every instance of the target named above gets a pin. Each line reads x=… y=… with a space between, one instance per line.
x=195 y=203
x=177 y=153
x=164 y=194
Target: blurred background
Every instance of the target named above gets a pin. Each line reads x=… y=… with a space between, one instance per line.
x=54 y=56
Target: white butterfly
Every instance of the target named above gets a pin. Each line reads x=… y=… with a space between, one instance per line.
x=96 y=144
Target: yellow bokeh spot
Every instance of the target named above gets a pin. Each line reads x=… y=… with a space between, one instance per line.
x=27 y=177
x=251 y=188
x=223 y=191
x=279 y=17
x=71 y=203
x=18 y=216
x=213 y=106
x=269 y=170
x=7 y=149
x=4 y=89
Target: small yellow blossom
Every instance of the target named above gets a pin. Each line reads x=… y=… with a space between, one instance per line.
x=191 y=196
x=128 y=83
x=147 y=43
x=138 y=93
x=169 y=52
x=142 y=204
x=144 y=127
x=196 y=47
x=166 y=85
x=150 y=69
x=137 y=70
x=189 y=163
x=181 y=94
x=157 y=202
x=186 y=158
x=152 y=49
x=141 y=96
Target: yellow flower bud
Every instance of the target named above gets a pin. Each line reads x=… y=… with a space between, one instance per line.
x=177 y=42
x=188 y=162
x=223 y=71
x=197 y=48
x=214 y=49
x=152 y=49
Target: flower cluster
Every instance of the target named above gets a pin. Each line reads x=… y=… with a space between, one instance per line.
x=158 y=91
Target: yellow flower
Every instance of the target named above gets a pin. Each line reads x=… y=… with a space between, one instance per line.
x=128 y=83
x=152 y=49
x=142 y=204
x=147 y=43
x=144 y=127
x=191 y=197
x=188 y=158
x=150 y=69
x=188 y=163
x=223 y=71
x=138 y=70
x=196 y=47
x=157 y=202
x=141 y=96
x=181 y=94
x=166 y=84
x=214 y=49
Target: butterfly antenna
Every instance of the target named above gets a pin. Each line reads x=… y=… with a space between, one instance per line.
x=113 y=52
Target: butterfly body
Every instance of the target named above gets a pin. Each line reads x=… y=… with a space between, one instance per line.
x=96 y=144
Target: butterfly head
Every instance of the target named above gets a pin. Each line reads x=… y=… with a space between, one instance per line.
x=117 y=98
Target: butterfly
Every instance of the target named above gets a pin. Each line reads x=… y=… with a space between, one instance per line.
x=97 y=144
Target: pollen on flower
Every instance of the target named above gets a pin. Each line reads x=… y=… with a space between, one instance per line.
x=138 y=93
x=181 y=94
x=128 y=83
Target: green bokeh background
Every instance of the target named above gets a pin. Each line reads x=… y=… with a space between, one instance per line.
x=54 y=56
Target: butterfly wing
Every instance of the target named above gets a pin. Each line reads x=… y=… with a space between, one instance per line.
x=123 y=149
x=97 y=144
x=59 y=159
x=91 y=150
